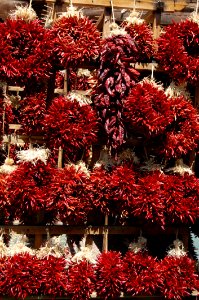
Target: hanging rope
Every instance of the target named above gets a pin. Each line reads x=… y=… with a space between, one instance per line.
x=30 y=4
x=177 y=233
x=70 y=3
x=112 y=9
x=152 y=71
x=197 y=6
x=134 y=3
x=48 y=234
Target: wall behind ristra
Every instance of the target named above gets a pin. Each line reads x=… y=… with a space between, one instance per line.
x=7 y=5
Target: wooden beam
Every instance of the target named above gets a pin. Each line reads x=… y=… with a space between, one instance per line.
x=145 y=67
x=94 y=230
x=15 y=126
x=15 y=88
x=22 y=139
x=169 y=5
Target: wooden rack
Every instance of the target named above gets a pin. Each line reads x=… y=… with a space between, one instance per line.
x=105 y=230
x=169 y=5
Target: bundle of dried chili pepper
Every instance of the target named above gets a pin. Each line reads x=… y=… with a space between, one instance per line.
x=115 y=79
x=111 y=191
x=169 y=124
x=25 y=50
x=70 y=126
x=76 y=41
x=142 y=273
x=142 y=35
x=165 y=199
x=110 y=275
x=179 y=273
x=181 y=198
x=81 y=280
x=149 y=201
x=68 y=192
x=182 y=134
x=27 y=193
x=147 y=110
x=31 y=114
x=4 y=215
x=53 y=276
x=181 y=64
x=19 y=276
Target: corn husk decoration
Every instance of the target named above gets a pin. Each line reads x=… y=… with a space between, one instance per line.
x=3 y=247
x=25 y=13
x=81 y=99
x=8 y=166
x=177 y=90
x=139 y=245
x=81 y=166
x=178 y=249
x=56 y=246
x=194 y=17
x=86 y=252
x=71 y=12
x=33 y=155
x=153 y=82
x=181 y=168
x=18 y=243
x=134 y=18
x=116 y=30
x=151 y=165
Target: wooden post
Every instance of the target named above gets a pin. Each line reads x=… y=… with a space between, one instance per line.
x=65 y=82
x=60 y=158
x=3 y=118
x=4 y=107
x=185 y=237
x=38 y=241
x=9 y=141
x=50 y=89
x=96 y=150
x=192 y=155
x=105 y=237
x=196 y=99
x=89 y=241
x=107 y=22
x=51 y=8
x=156 y=24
